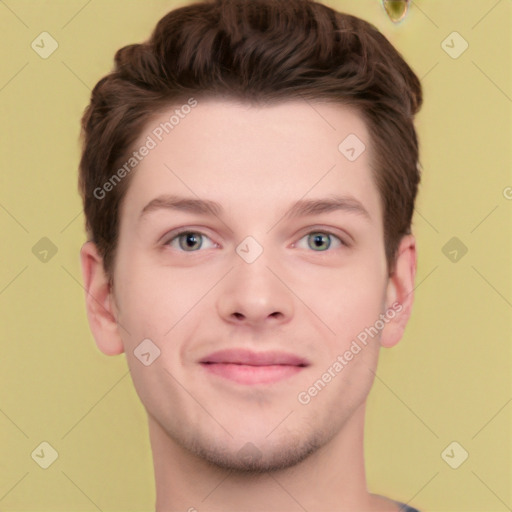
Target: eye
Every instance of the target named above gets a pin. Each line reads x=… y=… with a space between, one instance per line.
x=320 y=241
x=189 y=241
x=192 y=241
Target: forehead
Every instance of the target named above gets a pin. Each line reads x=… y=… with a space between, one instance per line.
x=248 y=155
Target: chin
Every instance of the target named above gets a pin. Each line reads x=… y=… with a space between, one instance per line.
x=253 y=457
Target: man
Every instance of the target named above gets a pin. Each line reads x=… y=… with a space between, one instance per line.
x=249 y=177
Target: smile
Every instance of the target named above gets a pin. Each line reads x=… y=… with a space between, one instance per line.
x=251 y=368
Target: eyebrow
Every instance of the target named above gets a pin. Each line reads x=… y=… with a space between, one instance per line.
x=301 y=208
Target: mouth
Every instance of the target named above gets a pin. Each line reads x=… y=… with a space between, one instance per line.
x=251 y=368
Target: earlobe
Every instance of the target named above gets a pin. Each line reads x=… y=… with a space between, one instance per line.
x=400 y=292
x=98 y=300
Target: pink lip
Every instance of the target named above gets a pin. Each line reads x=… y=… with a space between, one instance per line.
x=247 y=367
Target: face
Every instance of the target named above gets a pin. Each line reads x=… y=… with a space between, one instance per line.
x=251 y=254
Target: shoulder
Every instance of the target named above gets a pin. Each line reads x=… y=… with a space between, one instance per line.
x=382 y=504
x=406 y=508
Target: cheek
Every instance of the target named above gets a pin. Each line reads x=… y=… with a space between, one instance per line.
x=350 y=301
x=153 y=300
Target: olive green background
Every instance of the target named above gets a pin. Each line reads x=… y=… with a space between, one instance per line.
x=448 y=380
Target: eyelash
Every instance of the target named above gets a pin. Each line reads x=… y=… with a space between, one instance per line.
x=196 y=232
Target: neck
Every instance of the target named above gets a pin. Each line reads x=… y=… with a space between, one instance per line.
x=332 y=478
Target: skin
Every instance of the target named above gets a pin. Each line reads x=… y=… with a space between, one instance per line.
x=312 y=302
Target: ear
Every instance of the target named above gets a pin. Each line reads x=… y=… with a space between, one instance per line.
x=400 y=292
x=99 y=301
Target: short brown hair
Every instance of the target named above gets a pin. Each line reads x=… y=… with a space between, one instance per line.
x=257 y=51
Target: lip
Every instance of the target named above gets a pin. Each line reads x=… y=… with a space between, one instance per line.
x=247 y=367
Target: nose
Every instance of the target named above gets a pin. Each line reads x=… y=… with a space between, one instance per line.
x=254 y=294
